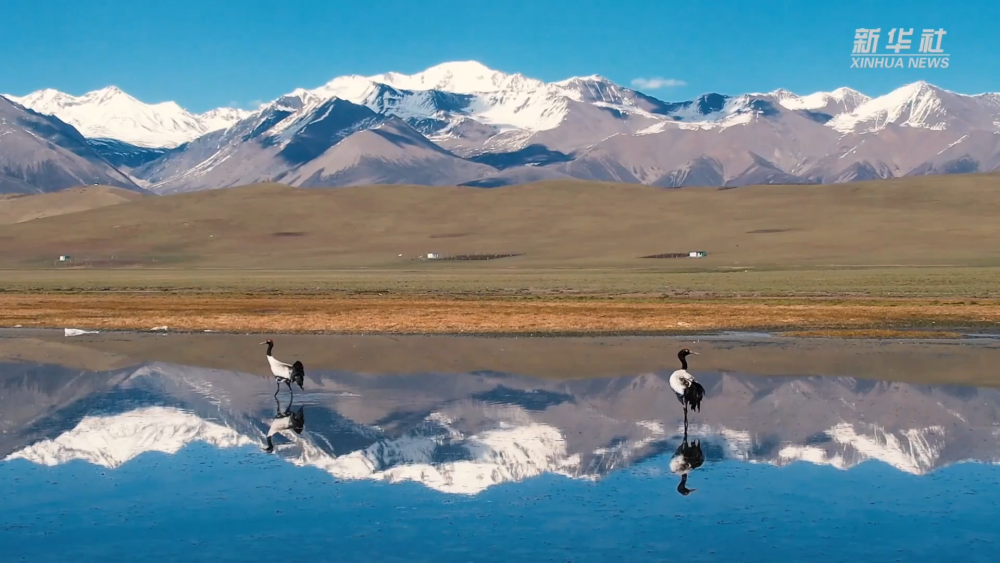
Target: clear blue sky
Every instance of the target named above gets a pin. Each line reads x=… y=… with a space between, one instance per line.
x=204 y=54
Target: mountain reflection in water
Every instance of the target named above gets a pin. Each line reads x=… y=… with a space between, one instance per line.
x=466 y=435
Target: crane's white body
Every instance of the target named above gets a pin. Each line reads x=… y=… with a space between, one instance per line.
x=284 y=373
x=680 y=380
x=281 y=370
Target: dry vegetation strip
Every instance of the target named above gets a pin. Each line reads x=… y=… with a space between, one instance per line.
x=409 y=315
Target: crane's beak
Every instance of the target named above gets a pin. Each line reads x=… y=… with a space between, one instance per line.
x=695 y=353
x=263 y=343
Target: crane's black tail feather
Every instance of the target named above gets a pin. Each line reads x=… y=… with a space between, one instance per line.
x=693 y=395
x=298 y=373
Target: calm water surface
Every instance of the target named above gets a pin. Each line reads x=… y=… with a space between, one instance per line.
x=168 y=462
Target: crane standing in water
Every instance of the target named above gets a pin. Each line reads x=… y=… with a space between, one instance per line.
x=284 y=373
x=689 y=392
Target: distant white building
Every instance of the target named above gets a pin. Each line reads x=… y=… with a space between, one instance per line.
x=697 y=254
x=65 y=258
x=433 y=256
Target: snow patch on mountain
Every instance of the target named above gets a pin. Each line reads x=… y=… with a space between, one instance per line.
x=737 y=110
x=222 y=118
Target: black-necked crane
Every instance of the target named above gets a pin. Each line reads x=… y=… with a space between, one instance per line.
x=284 y=373
x=689 y=392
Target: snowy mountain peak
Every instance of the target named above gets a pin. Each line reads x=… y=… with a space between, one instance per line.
x=581 y=79
x=918 y=88
x=352 y=87
x=920 y=105
x=782 y=94
x=106 y=93
x=841 y=100
x=460 y=77
x=222 y=118
x=112 y=113
x=847 y=94
x=41 y=97
x=914 y=89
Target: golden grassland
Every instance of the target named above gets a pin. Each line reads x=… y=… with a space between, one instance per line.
x=843 y=303
x=21 y=208
x=944 y=221
x=395 y=314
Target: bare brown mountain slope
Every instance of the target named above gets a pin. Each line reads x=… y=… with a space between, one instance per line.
x=20 y=208
x=39 y=153
x=919 y=220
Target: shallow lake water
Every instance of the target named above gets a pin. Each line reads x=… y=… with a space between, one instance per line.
x=167 y=461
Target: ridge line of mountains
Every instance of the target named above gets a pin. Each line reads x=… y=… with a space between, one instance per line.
x=462 y=123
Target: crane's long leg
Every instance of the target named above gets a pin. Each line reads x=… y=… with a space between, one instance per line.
x=277 y=387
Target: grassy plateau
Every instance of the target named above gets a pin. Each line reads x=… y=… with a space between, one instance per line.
x=861 y=259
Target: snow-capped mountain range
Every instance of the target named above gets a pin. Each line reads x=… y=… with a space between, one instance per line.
x=109 y=113
x=463 y=123
x=466 y=432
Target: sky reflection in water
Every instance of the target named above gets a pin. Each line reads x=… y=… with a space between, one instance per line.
x=486 y=467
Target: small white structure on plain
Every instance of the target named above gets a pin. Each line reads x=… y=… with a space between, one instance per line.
x=78 y=332
x=697 y=254
x=433 y=255
x=65 y=258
